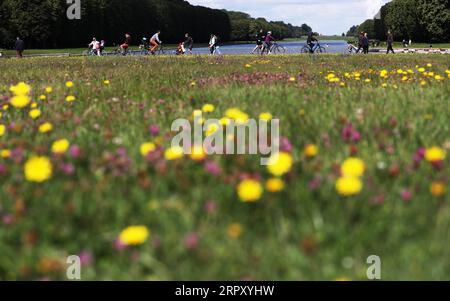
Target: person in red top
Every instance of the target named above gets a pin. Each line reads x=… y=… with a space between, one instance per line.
x=124 y=47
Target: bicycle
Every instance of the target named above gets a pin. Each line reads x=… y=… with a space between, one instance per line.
x=317 y=48
x=90 y=52
x=144 y=50
x=277 y=49
x=120 y=51
x=159 y=51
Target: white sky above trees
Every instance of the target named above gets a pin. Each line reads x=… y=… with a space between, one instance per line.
x=324 y=16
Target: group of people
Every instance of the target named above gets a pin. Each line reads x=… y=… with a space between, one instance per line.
x=264 y=42
x=364 y=43
x=97 y=47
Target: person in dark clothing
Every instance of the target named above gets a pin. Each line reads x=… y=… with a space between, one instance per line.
x=365 y=44
x=310 y=42
x=390 y=41
x=19 y=47
x=360 y=42
x=260 y=37
x=189 y=43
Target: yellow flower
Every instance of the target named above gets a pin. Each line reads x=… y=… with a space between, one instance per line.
x=193 y=84
x=20 y=101
x=5 y=153
x=438 y=77
x=265 y=116
x=45 y=127
x=349 y=185
x=311 y=150
x=20 y=89
x=5 y=107
x=48 y=89
x=353 y=167
x=42 y=97
x=429 y=65
x=208 y=108
x=211 y=129
x=134 y=235
x=384 y=85
x=70 y=98
x=292 y=79
x=2 y=129
x=437 y=189
x=173 y=153
x=280 y=164
x=35 y=113
x=302 y=112
x=384 y=73
x=421 y=70
x=147 y=148
x=60 y=146
x=198 y=153
x=237 y=115
x=275 y=185
x=400 y=71
x=404 y=78
x=367 y=80
x=33 y=105
x=224 y=121
x=247 y=65
x=234 y=230
x=69 y=84
x=106 y=82
x=435 y=154
x=249 y=191
x=38 y=169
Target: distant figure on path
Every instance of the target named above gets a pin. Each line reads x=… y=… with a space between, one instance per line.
x=126 y=44
x=311 y=40
x=360 y=42
x=213 y=44
x=260 y=37
x=19 y=47
x=268 y=42
x=189 y=43
x=390 y=41
x=155 y=41
x=365 y=43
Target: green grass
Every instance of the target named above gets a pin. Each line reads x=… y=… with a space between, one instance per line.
x=300 y=233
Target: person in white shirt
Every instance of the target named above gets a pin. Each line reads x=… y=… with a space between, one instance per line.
x=155 y=41
x=213 y=44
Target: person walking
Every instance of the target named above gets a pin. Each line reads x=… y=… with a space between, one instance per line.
x=188 y=42
x=360 y=42
x=365 y=43
x=213 y=43
x=19 y=47
x=390 y=41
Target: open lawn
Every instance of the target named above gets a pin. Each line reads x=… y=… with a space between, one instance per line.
x=85 y=154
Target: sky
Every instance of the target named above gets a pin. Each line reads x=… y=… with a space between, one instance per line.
x=324 y=16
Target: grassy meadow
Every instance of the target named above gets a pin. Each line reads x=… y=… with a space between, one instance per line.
x=86 y=168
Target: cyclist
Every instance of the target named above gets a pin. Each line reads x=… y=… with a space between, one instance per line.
x=94 y=45
x=155 y=42
x=268 y=42
x=188 y=43
x=124 y=47
x=310 y=42
x=259 y=41
x=144 y=43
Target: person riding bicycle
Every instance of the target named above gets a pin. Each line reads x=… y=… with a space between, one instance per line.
x=260 y=37
x=102 y=46
x=94 y=45
x=268 y=41
x=145 y=44
x=126 y=44
x=188 y=43
x=310 y=41
x=155 y=42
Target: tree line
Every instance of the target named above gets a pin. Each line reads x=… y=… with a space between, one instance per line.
x=419 y=20
x=44 y=23
x=244 y=27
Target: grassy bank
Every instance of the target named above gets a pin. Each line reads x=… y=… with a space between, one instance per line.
x=225 y=217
